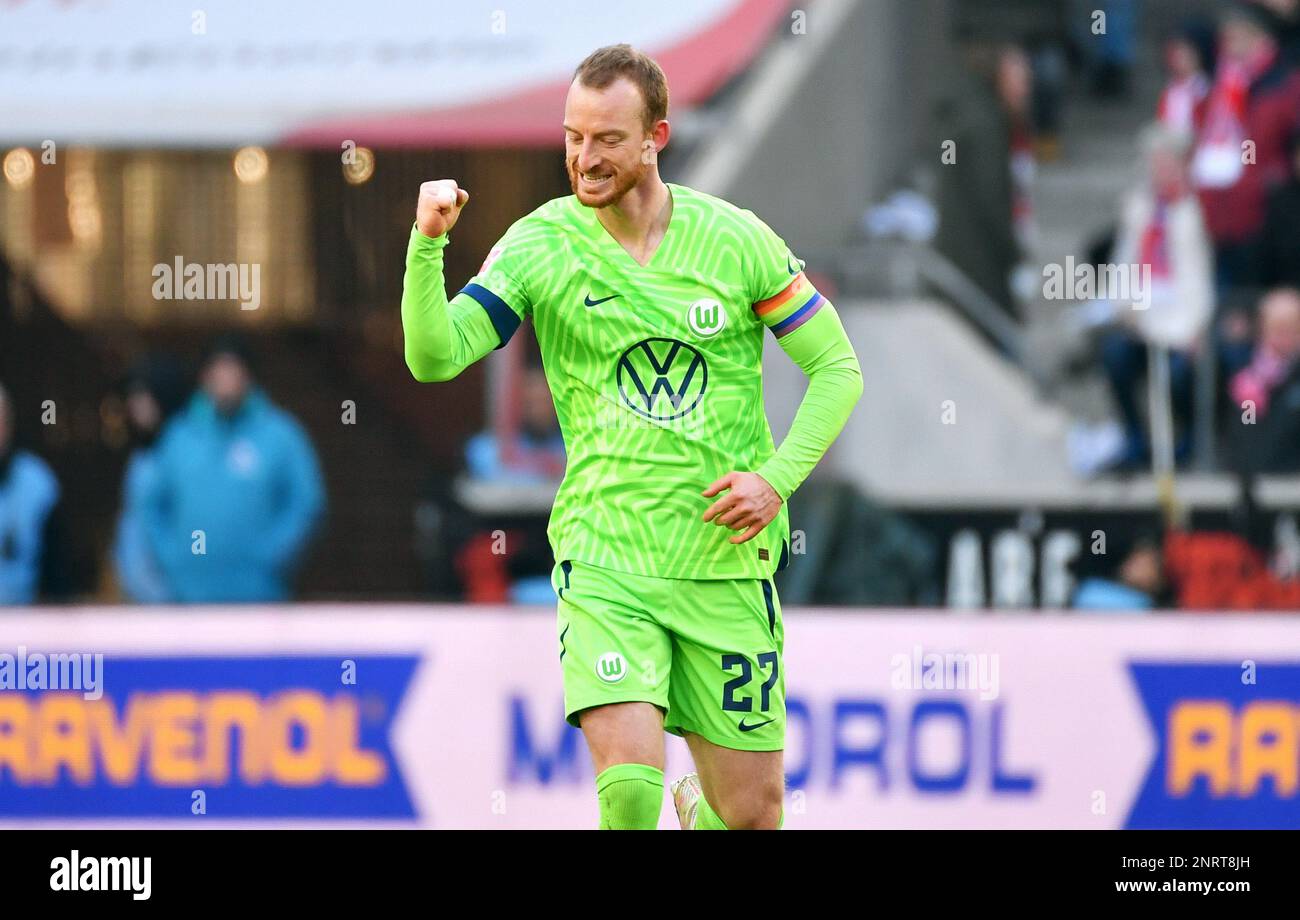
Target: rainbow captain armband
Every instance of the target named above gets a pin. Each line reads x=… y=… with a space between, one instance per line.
x=790 y=308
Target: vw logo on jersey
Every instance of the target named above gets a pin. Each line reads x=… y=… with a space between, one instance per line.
x=662 y=379
x=706 y=317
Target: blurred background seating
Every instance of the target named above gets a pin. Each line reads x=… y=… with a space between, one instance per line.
x=1003 y=427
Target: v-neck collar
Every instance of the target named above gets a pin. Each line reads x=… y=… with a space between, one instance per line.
x=608 y=240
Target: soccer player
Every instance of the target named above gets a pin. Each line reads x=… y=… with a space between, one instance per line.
x=650 y=302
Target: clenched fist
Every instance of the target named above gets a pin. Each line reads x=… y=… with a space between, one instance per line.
x=440 y=203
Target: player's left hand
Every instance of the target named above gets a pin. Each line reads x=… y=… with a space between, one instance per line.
x=749 y=505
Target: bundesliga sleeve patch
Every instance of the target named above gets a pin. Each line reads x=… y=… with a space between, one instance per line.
x=491 y=257
x=789 y=309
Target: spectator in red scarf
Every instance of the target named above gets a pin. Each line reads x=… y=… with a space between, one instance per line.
x=1015 y=87
x=1162 y=230
x=1241 y=150
x=1189 y=61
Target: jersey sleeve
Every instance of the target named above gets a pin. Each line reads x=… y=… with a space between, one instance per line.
x=441 y=339
x=503 y=286
x=808 y=329
x=444 y=337
x=782 y=296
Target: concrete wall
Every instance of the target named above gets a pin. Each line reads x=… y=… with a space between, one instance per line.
x=829 y=120
x=943 y=417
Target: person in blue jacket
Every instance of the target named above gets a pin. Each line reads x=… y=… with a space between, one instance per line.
x=237 y=493
x=155 y=390
x=28 y=495
x=1133 y=583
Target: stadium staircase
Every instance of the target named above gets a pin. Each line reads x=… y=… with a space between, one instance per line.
x=1008 y=440
x=1076 y=200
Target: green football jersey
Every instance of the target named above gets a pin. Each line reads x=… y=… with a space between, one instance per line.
x=656 y=373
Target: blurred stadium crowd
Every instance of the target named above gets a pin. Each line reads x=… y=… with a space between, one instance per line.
x=422 y=498
x=217 y=449
x=1212 y=216
x=1215 y=219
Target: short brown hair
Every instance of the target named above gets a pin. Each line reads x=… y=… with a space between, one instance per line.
x=605 y=65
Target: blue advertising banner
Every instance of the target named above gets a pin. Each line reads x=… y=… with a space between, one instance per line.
x=453 y=717
x=1228 y=745
x=267 y=736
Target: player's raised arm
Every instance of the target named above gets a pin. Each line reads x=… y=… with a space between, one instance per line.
x=442 y=338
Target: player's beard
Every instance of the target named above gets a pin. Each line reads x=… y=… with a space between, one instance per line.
x=623 y=182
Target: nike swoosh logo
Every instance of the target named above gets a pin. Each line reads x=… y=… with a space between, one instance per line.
x=749 y=728
x=595 y=303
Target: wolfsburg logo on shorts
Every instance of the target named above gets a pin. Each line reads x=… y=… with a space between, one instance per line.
x=662 y=379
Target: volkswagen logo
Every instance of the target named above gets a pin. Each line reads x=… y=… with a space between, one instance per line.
x=662 y=379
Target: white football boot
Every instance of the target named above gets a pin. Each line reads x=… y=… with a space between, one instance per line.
x=687 y=795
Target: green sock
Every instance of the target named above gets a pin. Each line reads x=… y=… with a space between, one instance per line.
x=631 y=796
x=706 y=819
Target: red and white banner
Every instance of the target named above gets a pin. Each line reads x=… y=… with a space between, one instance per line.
x=389 y=72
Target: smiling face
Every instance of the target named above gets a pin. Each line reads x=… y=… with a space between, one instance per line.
x=605 y=138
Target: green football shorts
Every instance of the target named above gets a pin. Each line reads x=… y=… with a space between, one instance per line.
x=707 y=653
